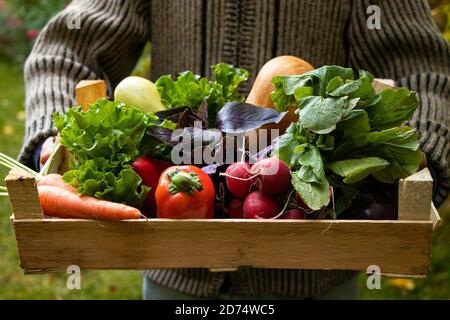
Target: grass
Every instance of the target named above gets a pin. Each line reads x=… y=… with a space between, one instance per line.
x=127 y=284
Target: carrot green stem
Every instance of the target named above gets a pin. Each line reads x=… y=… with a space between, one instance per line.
x=11 y=163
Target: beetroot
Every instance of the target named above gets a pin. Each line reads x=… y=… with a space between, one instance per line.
x=273 y=176
x=237 y=179
x=235 y=210
x=294 y=214
x=260 y=205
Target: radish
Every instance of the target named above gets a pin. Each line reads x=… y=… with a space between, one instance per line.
x=301 y=203
x=235 y=210
x=259 y=205
x=273 y=176
x=294 y=214
x=238 y=179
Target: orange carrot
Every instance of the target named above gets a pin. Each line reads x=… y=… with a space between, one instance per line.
x=63 y=203
x=55 y=180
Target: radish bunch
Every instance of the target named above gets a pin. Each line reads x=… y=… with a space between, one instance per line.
x=256 y=188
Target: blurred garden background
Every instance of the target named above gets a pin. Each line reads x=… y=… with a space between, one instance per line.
x=20 y=24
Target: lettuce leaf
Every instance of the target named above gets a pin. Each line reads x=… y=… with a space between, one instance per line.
x=103 y=142
x=191 y=90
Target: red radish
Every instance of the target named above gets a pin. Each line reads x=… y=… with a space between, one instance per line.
x=150 y=170
x=238 y=179
x=259 y=205
x=235 y=210
x=294 y=214
x=300 y=202
x=273 y=176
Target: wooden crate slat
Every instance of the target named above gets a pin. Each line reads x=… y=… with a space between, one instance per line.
x=415 y=196
x=400 y=248
x=23 y=195
x=89 y=91
x=434 y=217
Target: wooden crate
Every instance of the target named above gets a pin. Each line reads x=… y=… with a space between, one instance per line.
x=400 y=247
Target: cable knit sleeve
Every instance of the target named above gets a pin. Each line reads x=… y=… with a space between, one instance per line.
x=410 y=49
x=90 y=39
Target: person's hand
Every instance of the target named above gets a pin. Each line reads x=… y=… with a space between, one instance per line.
x=46 y=150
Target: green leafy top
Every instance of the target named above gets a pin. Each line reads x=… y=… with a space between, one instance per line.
x=190 y=90
x=104 y=141
x=345 y=133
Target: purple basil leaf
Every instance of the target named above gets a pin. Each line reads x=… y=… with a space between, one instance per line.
x=237 y=117
x=202 y=113
x=171 y=114
x=162 y=134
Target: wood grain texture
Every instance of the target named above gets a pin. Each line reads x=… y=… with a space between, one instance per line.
x=89 y=91
x=415 y=196
x=50 y=245
x=23 y=195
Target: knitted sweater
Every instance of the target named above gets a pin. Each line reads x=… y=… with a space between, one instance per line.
x=194 y=34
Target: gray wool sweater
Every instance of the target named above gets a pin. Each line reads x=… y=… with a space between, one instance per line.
x=194 y=34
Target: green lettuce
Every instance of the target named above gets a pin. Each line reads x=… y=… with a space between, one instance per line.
x=103 y=142
x=191 y=90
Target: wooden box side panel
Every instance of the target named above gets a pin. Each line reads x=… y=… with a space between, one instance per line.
x=23 y=195
x=415 y=196
x=53 y=245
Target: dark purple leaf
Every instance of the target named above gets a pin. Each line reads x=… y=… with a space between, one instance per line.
x=237 y=117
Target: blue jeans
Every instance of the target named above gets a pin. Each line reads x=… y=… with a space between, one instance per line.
x=347 y=290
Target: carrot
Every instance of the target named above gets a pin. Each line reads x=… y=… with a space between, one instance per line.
x=59 y=199
x=63 y=203
x=55 y=180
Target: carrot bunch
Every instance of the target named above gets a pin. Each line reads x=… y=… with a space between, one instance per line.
x=58 y=199
x=61 y=200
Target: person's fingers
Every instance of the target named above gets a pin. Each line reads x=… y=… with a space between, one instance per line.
x=424 y=161
x=46 y=150
x=386 y=82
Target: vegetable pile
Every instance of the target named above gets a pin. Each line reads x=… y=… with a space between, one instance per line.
x=343 y=142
